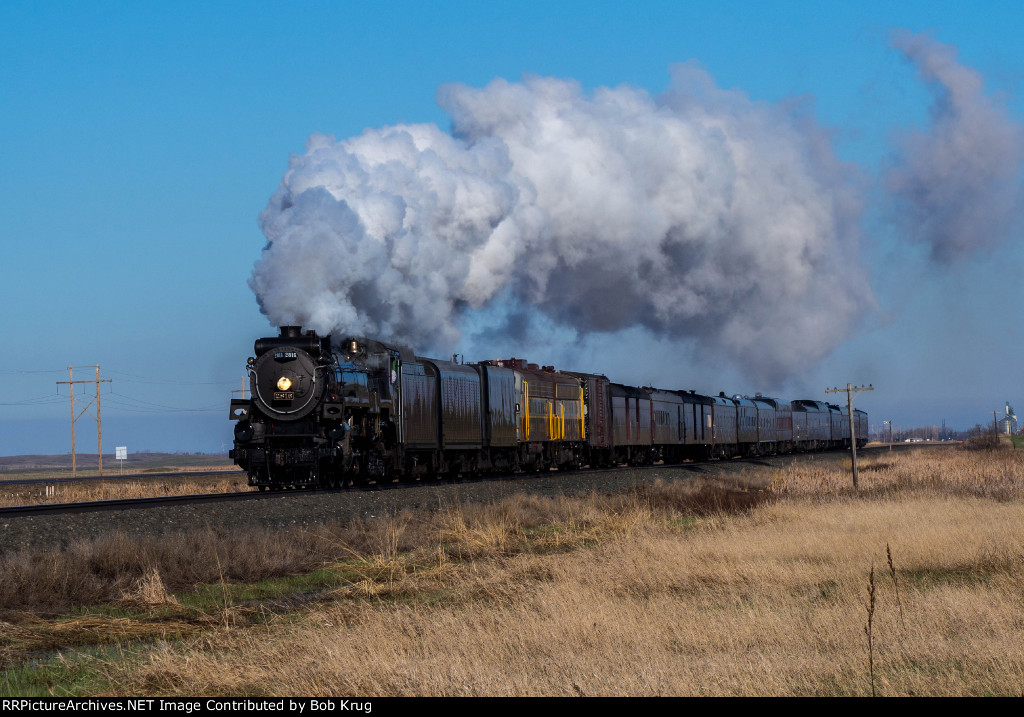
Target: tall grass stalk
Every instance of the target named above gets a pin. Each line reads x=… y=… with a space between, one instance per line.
x=868 y=628
x=895 y=584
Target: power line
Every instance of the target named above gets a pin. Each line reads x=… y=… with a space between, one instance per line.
x=167 y=381
x=16 y=371
x=129 y=378
x=159 y=406
x=38 y=401
x=124 y=402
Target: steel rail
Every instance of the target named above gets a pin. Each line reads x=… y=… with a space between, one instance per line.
x=195 y=499
x=89 y=506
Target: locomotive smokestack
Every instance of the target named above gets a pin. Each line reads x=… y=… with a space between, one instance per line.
x=290 y=336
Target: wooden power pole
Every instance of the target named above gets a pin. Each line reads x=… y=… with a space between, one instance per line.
x=850 y=390
x=99 y=424
x=243 y=390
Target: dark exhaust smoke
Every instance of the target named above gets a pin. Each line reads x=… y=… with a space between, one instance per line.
x=957 y=185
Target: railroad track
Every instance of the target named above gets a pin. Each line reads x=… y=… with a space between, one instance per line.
x=90 y=506
x=206 y=498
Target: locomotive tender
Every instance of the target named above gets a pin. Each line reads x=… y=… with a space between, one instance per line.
x=325 y=414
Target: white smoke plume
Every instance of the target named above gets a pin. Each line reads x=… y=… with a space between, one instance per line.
x=698 y=214
x=956 y=185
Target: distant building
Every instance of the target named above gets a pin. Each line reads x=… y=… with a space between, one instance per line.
x=1008 y=423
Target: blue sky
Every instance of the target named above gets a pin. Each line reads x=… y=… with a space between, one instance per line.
x=139 y=142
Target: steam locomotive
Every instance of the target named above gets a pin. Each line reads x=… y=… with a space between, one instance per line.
x=323 y=415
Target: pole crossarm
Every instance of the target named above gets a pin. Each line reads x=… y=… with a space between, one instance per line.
x=850 y=390
x=850 y=387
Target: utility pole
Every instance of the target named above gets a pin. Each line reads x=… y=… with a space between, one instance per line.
x=850 y=390
x=99 y=424
x=890 y=433
x=995 y=429
x=243 y=390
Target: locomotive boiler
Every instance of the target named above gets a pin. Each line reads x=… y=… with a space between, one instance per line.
x=319 y=414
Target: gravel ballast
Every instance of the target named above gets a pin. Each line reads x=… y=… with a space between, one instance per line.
x=310 y=508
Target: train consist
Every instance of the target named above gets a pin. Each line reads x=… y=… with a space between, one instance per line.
x=325 y=414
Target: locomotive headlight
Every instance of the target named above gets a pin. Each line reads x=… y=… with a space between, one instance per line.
x=284 y=383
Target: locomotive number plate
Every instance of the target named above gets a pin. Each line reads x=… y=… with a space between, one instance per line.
x=284 y=395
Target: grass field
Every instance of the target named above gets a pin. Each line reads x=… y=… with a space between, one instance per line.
x=118 y=489
x=59 y=466
x=767 y=584
x=117 y=480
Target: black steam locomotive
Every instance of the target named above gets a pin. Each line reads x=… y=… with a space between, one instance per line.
x=325 y=414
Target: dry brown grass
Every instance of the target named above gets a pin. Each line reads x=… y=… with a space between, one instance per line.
x=766 y=603
x=104 y=569
x=60 y=466
x=114 y=489
x=684 y=588
x=997 y=474
x=149 y=591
